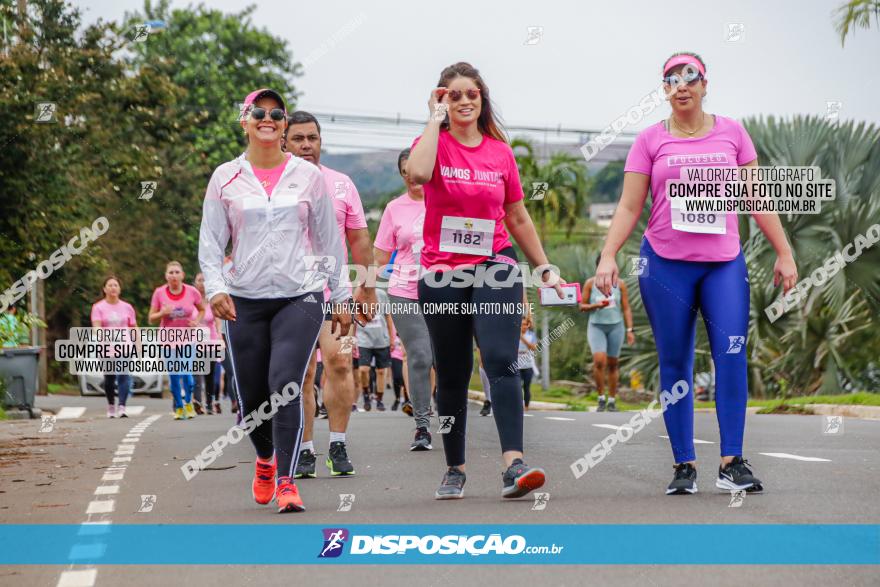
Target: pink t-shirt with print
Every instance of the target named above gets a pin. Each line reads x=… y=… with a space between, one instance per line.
x=207 y=320
x=401 y=229
x=661 y=156
x=118 y=315
x=269 y=177
x=469 y=183
x=183 y=305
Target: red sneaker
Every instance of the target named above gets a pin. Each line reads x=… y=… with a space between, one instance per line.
x=288 y=497
x=263 y=487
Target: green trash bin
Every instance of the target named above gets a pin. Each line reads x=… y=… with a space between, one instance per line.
x=18 y=368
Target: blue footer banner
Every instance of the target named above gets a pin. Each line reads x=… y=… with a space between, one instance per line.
x=617 y=544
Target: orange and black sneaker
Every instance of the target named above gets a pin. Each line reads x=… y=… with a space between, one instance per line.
x=287 y=496
x=519 y=479
x=264 y=481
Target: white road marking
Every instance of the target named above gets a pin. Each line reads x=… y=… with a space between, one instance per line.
x=529 y=415
x=785 y=455
x=696 y=440
x=134 y=410
x=130 y=439
x=83 y=578
x=67 y=413
x=561 y=419
x=105 y=506
x=102 y=509
x=608 y=426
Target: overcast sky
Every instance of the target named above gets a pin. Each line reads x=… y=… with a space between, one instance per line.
x=593 y=61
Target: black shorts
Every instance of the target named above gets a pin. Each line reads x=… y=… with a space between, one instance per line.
x=382 y=356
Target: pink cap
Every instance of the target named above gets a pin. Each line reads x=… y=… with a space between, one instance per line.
x=683 y=60
x=257 y=94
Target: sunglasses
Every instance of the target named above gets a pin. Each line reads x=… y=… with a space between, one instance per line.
x=456 y=95
x=275 y=114
x=689 y=78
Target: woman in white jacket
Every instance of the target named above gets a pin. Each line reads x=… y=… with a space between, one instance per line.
x=275 y=209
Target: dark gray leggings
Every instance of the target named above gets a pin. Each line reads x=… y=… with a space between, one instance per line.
x=413 y=334
x=270 y=343
x=497 y=335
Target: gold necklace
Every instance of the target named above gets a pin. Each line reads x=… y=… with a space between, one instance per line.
x=689 y=133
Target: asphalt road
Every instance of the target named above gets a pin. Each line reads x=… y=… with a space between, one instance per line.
x=52 y=476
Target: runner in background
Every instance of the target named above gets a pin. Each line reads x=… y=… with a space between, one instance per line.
x=694 y=264
x=272 y=310
x=605 y=333
x=178 y=305
x=528 y=342
x=113 y=312
x=473 y=196
x=374 y=344
x=209 y=381
x=401 y=230
x=303 y=139
x=398 y=359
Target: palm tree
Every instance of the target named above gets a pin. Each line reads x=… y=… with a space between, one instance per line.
x=856 y=14
x=566 y=194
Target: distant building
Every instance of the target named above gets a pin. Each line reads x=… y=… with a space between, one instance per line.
x=602 y=214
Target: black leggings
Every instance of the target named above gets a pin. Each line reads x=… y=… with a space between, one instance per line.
x=270 y=343
x=397 y=376
x=526 y=376
x=497 y=335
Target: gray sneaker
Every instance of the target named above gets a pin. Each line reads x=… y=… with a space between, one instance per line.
x=612 y=406
x=601 y=407
x=422 y=440
x=452 y=486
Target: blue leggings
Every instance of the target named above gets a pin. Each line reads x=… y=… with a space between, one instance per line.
x=181 y=382
x=672 y=292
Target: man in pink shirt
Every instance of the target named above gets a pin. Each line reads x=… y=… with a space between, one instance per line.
x=304 y=140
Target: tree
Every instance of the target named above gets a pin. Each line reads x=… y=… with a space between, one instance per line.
x=566 y=191
x=856 y=14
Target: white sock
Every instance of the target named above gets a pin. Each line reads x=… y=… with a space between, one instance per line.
x=337 y=437
x=309 y=446
x=602 y=397
x=611 y=400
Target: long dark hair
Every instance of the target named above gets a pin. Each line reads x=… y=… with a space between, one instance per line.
x=488 y=123
x=104 y=284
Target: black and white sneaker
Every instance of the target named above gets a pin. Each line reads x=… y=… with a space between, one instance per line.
x=519 y=479
x=736 y=476
x=422 y=440
x=322 y=412
x=601 y=406
x=685 y=480
x=486 y=409
x=612 y=405
x=452 y=486
x=305 y=467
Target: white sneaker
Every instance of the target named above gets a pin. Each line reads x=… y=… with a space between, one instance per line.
x=120 y=412
x=111 y=411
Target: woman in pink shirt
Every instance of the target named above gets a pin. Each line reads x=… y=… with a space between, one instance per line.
x=113 y=312
x=473 y=196
x=401 y=229
x=691 y=262
x=178 y=305
x=211 y=380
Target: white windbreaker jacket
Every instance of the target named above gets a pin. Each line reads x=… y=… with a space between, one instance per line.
x=275 y=239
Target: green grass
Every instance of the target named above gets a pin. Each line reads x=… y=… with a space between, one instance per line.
x=63 y=389
x=2 y=413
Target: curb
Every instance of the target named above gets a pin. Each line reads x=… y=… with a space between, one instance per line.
x=479 y=397
x=845 y=410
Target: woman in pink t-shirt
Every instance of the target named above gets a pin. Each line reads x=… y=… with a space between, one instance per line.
x=210 y=381
x=473 y=196
x=178 y=305
x=690 y=262
x=401 y=229
x=112 y=312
